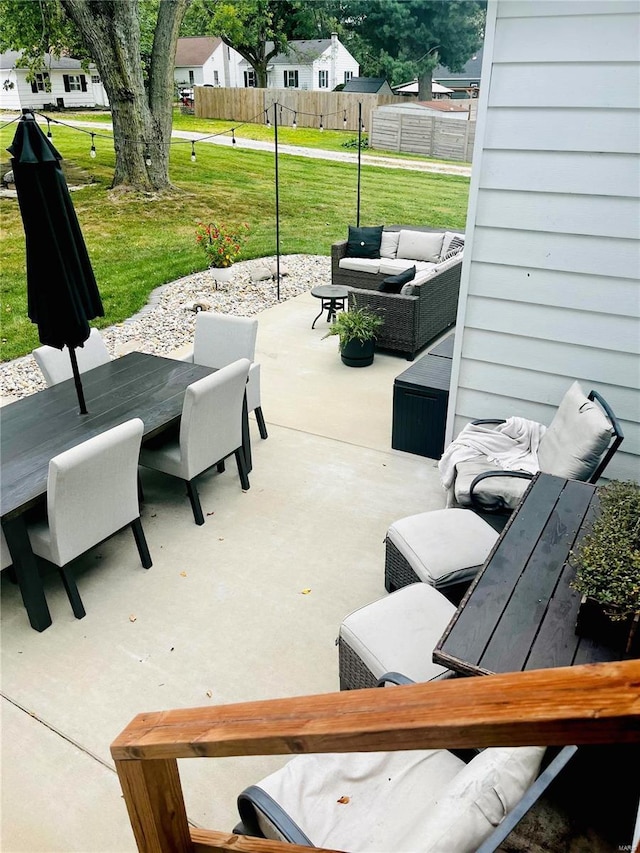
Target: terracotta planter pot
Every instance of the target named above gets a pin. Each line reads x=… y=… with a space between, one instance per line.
x=622 y=634
x=358 y=354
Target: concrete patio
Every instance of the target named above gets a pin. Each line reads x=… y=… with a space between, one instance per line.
x=245 y=607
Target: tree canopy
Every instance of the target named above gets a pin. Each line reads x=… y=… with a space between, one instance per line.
x=122 y=39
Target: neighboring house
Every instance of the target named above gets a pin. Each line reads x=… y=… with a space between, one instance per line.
x=550 y=287
x=465 y=83
x=314 y=64
x=368 y=86
x=62 y=83
x=317 y=65
x=411 y=89
x=206 y=61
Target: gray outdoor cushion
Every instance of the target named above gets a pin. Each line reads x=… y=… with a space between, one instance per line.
x=578 y=436
x=509 y=489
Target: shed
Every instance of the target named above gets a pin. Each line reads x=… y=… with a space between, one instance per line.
x=368 y=86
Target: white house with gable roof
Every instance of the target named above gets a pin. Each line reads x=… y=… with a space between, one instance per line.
x=63 y=82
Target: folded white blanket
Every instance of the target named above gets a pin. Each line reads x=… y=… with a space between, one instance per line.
x=511 y=446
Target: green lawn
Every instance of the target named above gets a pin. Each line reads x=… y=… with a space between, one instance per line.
x=137 y=243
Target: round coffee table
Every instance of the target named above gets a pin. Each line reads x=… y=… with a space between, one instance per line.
x=332 y=297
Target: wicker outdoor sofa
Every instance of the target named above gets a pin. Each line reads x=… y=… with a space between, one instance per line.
x=411 y=320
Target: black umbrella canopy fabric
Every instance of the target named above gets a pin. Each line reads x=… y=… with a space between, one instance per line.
x=61 y=286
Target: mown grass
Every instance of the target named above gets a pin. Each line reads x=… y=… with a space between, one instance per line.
x=137 y=242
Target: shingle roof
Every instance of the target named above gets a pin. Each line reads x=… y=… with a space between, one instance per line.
x=195 y=50
x=301 y=51
x=8 y=60
x=471 y=70
x=365 y=85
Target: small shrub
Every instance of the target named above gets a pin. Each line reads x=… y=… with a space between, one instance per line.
x=607 y=559
x=352 y=142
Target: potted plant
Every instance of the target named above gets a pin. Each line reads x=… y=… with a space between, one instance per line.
x=607 y=561
x=357 y=331
x=222 y=245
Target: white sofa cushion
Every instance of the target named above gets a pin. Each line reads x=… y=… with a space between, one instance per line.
x=576 y=439
x=397 y=633
x=444 y=546
x=420 y=245
x=398 y=265
x=360 y=264
x=389 y=244
x=490 y=491
x=448 y=237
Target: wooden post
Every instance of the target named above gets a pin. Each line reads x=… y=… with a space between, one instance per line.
x=155 y=802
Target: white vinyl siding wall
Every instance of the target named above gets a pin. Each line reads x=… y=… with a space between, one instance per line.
x=550 y=287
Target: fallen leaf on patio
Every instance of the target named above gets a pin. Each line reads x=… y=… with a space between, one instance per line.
x=344 y=800
x=220 y=538
x=183 y=574
x=211 y=513
x=305 y=592
x=209 y=694
x=132 y=618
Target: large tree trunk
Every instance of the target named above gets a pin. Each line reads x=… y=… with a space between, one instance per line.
x=425 y=92
x=141 y=118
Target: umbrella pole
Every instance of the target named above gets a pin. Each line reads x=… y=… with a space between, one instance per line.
x=77 y=380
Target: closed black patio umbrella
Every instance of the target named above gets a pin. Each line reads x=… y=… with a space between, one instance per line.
x=62 y=293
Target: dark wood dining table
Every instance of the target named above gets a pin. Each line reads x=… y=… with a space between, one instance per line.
x=520 y=611
x=36 y=428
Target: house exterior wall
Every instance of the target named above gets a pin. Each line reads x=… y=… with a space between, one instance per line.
x=21 y=96
x=550 y=289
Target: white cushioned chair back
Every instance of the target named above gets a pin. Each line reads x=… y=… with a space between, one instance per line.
x=211 y=424
x=578 y=435
x=426 y=800
x=221 y=338
x=55 y=364
x=253 y=388
x=92 y=490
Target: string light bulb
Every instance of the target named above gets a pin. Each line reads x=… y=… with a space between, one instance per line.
x=147 y=157
x=344 y=120
x=321 y=125
x=49 y=134
x=193 y=152
x=362 y=126
x=295 y=123
x=92 y=153
x=266 y=112
x=233 y=136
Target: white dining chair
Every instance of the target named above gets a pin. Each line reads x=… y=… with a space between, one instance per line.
x=55 y=364
x=210 y=431
x=222 y=338
x=92 y=493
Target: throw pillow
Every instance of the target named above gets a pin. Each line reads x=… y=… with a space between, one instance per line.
x=420 y=245
x=409 y=289
x=389 y=244
x=448 y=237
x=394 y=283
x=364 y=242
x=455 y=247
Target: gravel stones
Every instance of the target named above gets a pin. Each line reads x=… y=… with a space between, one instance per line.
x=167 y=322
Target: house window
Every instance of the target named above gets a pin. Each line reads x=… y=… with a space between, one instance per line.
x=95 y=79
x=347 y=76
x=41 y=83
x=216 y=79
x=250 y=79
x=191 y=78
x=291 y=79
x=323 y=79
x=75 y=82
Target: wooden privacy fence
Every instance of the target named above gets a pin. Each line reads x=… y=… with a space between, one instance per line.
x=431 y=136
x=249 y=105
